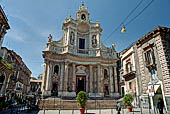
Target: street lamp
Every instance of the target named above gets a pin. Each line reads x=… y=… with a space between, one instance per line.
x=123 y=29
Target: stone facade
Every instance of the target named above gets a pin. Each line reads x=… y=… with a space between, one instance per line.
x=16 y=74
x=152 y=66
x=153 y=63
x=80 y=61
x=128 y=71
x=4 y=26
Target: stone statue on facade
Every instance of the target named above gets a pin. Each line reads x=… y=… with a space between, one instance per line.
x=113 y=46
x=49 y=38
x=72 y=38
x=94 y=41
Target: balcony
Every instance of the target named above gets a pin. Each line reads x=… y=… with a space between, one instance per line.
x=82 y=51
x=129 y=74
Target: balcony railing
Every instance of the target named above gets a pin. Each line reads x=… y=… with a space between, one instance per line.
x=82 y=51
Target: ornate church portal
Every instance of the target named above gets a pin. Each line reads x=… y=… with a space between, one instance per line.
x=80 y=61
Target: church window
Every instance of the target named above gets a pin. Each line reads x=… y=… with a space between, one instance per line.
x=81 y=43
x=56 y=69
x=105 y=73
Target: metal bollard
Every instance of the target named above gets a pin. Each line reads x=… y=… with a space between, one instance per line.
x=111 y=111
x=73 y=110
x=59 y=111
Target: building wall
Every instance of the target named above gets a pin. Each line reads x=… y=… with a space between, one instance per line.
x=158 y=41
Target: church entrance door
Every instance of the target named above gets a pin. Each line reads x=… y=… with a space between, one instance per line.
x=80 y=84
x=54 y=91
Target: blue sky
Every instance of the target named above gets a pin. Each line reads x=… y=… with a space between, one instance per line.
x=32 y=20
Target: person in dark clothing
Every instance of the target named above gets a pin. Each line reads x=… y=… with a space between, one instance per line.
x=118 y=108
x=160 y=105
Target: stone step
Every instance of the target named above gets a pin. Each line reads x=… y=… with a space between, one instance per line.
x=72 y=104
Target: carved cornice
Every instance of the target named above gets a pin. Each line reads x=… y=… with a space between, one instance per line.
x=155 y=32
x=68 y=56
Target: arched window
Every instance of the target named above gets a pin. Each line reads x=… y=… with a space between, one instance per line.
x=105 y=73
x=56 y=69
x=2 y=78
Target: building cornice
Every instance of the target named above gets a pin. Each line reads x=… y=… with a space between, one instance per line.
x=155 y=32
x=68 y=56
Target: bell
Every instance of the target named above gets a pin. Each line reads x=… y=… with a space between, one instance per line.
x=123 y=30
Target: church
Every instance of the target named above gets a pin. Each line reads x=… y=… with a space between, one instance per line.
x=79 y=61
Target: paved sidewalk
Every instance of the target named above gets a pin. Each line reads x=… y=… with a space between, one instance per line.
x=97 y=111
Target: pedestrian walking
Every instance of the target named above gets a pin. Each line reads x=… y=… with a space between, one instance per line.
x=118 y=108
x=160 y=105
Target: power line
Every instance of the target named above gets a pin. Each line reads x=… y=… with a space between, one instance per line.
x=124 y=20
x=132 y=18
x=140 y=12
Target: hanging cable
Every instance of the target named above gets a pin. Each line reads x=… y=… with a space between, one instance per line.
x=121 y=24
x=139 y=13
x=124 y=20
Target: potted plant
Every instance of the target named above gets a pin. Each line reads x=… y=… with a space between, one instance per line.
x=127 y=101
x=82 y=99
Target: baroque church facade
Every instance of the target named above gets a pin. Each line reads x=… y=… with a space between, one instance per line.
x=80 y=61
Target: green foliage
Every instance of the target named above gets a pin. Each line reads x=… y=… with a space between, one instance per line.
x=82 y=99
x=127 y=100
x=0 y=58
x=8 y=65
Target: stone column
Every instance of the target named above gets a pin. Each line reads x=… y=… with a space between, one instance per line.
x=111 y=80
x=91 y=78
x=48 y=80
x=44 y=77
x=99 y=78
x=87 y=82
x=47 y=76
x=115 y=79
x=74 y=78
x=65 y=77
x=62 y=77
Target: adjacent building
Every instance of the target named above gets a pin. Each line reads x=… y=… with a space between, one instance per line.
x=153 y=52
x=16 y=79
x=128 y=73
x=5 y=68
x=146 y=67
x=4 y=26
x=80 y=61
x=35 y=86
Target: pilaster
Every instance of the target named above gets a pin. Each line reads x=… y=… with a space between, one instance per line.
x=91 y=78
x=62 y=77
x=99 y=78
x=111 y=80
x=74 y=77
x=115 y=79
x=66 y=77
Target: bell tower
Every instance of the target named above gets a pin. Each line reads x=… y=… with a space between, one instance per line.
x=82 y=14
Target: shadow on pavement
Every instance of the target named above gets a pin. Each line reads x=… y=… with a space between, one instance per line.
x=89 y=113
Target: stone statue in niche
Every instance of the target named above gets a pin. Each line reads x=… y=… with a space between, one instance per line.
x=94 y=41
x=113 y=46
x=72 y=37
x=49 y=38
